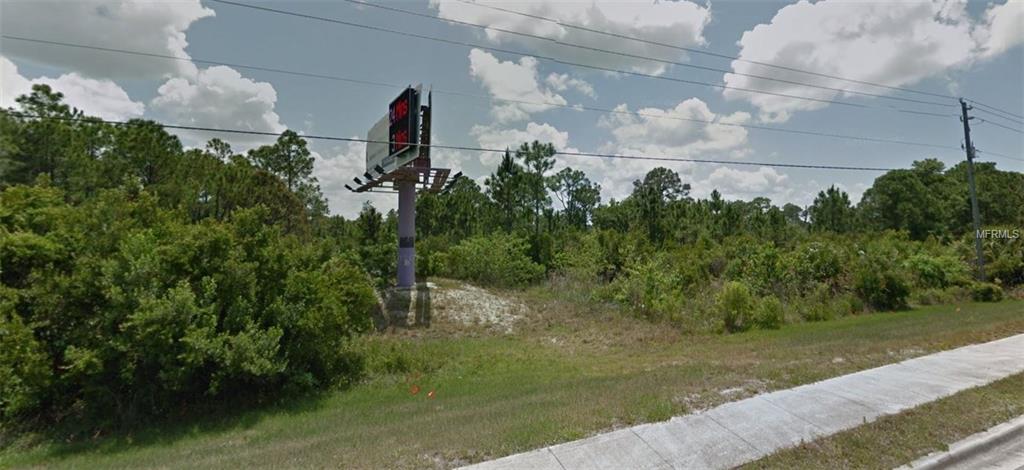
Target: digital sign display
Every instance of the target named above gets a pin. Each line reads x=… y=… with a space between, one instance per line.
x=404 y=120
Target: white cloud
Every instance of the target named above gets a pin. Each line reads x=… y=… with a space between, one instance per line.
x=151 y=26
x=647 y=135
x=892 y=43
x=680 y=23
x=562 y=82
x=681 y=131
x=666 y=133
x=336 y=169
x=101 y=98
x=741 y=182
x=1003 y=28
x=219 y=97
x=746 y=184
x=512 y=81
x=497 y=137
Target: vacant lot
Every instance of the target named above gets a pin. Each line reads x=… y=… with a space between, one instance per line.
x=566 y=371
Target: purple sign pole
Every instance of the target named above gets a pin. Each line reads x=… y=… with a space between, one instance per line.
x=406 y=233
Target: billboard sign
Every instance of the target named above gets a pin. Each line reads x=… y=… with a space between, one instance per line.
x=377 y=148
x=404 y=119
x=393 y=139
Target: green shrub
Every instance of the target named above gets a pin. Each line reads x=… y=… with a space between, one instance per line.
x=986 y=292
x=1004 y=260
x=736 y=306
x=697 y=263
x=848 y=304
x=818 y=304
x=818 y=262
x=757 y=264
x=650 y=287
x=431 y=257
x=142 y=312
x=941 y=296
x=937 y=272
x=769 y=314
x=816 y=311
x=24 y=365
x=581 y=258
x=881 y=288
x=320 y=310
x=497 y=260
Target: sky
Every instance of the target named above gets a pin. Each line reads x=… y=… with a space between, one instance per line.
x=969 y=49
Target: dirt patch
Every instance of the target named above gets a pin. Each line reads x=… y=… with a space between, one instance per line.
x=468 y=305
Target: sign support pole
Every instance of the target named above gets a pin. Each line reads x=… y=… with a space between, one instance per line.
x=406 y=234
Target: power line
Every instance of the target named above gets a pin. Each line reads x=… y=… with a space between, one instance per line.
x=1000 y=125
x=993 y=108
x=1000 y=155
x=640 y=57
x=700 y=51
x=198 y=61
x=465 y=148
x=564 y=62
x=990 y=113
x=488 y=98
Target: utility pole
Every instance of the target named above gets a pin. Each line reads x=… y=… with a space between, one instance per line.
x=969 y=147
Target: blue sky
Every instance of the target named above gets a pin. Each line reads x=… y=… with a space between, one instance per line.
x=971 y=50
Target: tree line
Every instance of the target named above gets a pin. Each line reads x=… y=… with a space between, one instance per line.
x=139 y=277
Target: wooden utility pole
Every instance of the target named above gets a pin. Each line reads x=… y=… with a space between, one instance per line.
x=969 y=147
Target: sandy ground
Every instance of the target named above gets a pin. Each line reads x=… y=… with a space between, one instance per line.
x=465 y=304
x=448 y=306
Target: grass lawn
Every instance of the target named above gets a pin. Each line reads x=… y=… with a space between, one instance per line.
x=899 y=439
x=566 y=374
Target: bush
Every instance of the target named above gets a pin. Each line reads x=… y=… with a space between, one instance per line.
x=813 y=311
x=431 y=257
x=757 y=264
x=650 y=287
x=986 y=292
x=941 y=296
x=881 y=288
x=1005 y=260
x=581 y=258
x=818 y=304
x=937 y=272
x=848 y=304
x=497 y=260
x=24 y=371
x=736 y=306
x=320 y=310
x=769 y=314
x=818 y=262
x=142 y=312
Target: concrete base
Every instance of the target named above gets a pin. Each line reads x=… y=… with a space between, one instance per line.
x=406 y=307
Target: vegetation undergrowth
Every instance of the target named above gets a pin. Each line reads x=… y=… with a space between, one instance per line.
x=561 y=377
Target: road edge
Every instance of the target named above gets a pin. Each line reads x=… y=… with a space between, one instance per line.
x=970 y=446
